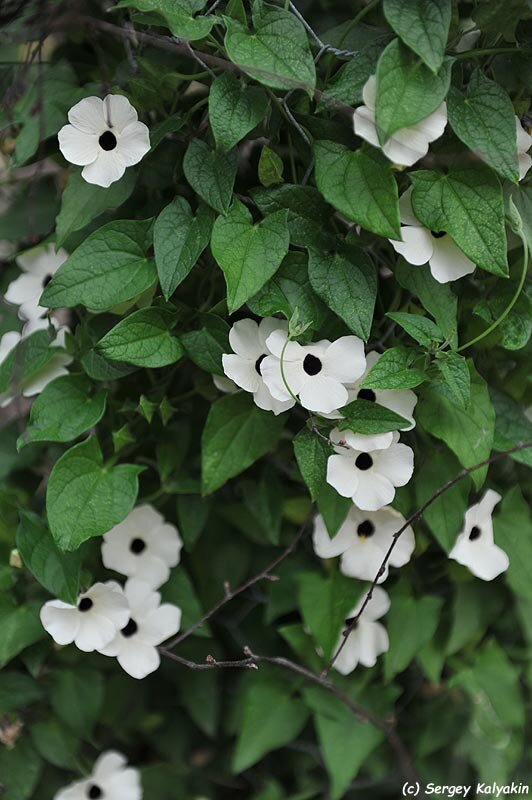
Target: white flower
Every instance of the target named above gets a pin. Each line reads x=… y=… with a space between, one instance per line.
x=363 y=541
x=53 y=369
x=524 y=143
x=105 y=137
x=368 y=468
x=111 y=779
x=225 y=385
x=38 y=265
x=244 y=365
x=446 y=261
x=318 y=373
x=475 y=548
x=143 y=545
x=369 y=639
x=407 y=145
x=470 y=34
x=149 y=624
x=402 y=401
x=92 y=623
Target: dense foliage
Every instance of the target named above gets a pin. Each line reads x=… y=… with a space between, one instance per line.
x=352 y=173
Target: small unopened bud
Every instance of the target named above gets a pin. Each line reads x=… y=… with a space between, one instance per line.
x=15 y=559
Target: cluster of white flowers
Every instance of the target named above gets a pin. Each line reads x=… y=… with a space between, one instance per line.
x=127 y=623
x=37 y=265
x=110 y=779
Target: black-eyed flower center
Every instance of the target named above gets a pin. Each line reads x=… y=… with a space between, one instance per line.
x=258 y=362
x=94 y=792
x=349 y=622
x=137 y=546
x=437 y=234
x=367 y=394
x=474 y=533
x=107 y=141
x=46 y=281
x=312 y=365
x=364 y=461
x=365 y=529
x=130 y=629
x=85 y=604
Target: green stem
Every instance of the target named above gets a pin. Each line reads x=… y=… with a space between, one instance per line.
x=508 y=308
x=283 y=376
x=487 y=51
x=361 y=14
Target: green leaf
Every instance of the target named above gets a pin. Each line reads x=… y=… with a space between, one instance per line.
x=455 y=372
x=234 y=109
x=347 y=283
x=77 y=699
x=445 y=516
x=513 y=532
x=57 y=571
x=467 y=432
x=86 y=498
x=82 y=202
x=211 y=174
x=179 y=591
x=179 y=16
x=248 y=254
x=325 y=604
x=56 y=744
x=108 y=268
x=26 y=360
x=468 y=204
x=288 y=290
x=485 y=121
x=436 y=298
x=423 y=25
x=411 y=624
x=394 y=370
x=20 y=627
x=276 y=53
x=144 y=339
x=206 y=346
x=64 y=410
x=308 y=213
x=18 y=690
x=359 y=184
x=407 y=91
x=311 y=455
x=347 y=83
x=365 y=416
x=236 y=434
x=515 y=329
x=501 y=17
x=179 y=239
x=422 y=329
x=20 y=769
x=281 y=716
x=512 y=426
x=270 y=167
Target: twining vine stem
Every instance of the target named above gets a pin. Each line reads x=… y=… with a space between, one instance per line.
x=252 y=660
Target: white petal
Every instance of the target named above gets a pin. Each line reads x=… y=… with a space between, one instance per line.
x=244 y=339
x=406 y=212
x=377 y=607
x=124 y=785
x=487 y=504
x=95 y=631
x=118 y=112
x=267 y=326
x=60 y=620
x=448 y=262
x=7 y=343
x=55 y=368
x=363 y=560
x=417 y=245
x=364 y=125
x=372 y=641
x=273 y=377
x=134 y=143
x=264 y=399
x=344 y=359
x=433 y=126
x=348 y=659
x=523 y=138
x=402 y=401
x=320 y=393
x=373 y=490
x=105 y=170
x=78 y=147
x=324 y=546
x=25 y=288
x=108 y=763
x=167 y=544
x=525 y=162
x=160 y=624
x=362 y=442
x=406 y=147
x=485 y=560
x=242 y=371
x=396 y=463
x=87 y=115
x=369 y=92
x=342 y=475
x=75 y=791
x=138 y=659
